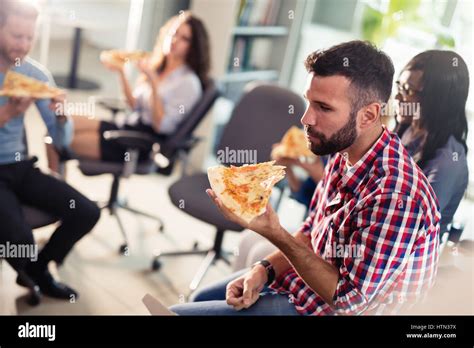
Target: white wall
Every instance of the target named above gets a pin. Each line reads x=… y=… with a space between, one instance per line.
x=313 y=37
x=109 y=16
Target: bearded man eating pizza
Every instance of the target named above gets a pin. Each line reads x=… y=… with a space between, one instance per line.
x=22 y=83
x=373 y=203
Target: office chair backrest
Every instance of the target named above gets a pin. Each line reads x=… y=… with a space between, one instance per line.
x=260 y=119
x=185 y=130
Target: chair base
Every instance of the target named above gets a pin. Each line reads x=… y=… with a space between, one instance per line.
x=113 y=210
x=211 y=256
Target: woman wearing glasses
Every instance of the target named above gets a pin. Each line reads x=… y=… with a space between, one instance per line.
x=170 y=84
x=432 y=124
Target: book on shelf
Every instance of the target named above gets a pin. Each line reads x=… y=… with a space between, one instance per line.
x=258 y=12
x=250 y=54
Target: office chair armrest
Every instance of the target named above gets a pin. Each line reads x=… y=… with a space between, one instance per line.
x=135 y=142
x=132 y=139
x=114 y=105
x=190 y=143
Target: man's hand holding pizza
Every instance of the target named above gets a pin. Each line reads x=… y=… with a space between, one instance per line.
x=14 y=107
x=267 y=224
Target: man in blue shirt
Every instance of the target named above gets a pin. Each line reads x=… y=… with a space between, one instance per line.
x=21 y=183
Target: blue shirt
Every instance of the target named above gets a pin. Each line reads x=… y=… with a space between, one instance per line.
x=447 y=173
x=13 y=147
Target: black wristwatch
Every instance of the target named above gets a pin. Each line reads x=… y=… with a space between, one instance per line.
x=268 y=268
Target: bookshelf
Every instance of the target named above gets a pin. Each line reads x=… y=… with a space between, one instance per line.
x=274 y=37
x=262 y=38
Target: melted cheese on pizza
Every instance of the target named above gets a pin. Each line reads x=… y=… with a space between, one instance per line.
x=246 y=189
x=19 y=85
x=119 y=57
x=292 y=145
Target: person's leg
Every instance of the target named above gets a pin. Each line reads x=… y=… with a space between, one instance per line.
x=259 y=251
x=215 y=291
x=78 y=215
x=14 y=230
x=85 y=142
x=269 y=303
x=53 y=158
x=87 y=145
x=85 y=124
x=94 y=146
x=247 y=240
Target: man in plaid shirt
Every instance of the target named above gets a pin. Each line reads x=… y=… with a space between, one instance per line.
x=370 y=242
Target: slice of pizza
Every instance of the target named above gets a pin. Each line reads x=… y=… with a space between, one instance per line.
x=245 y=190
x=19 y=85
x=293 y=145
x=121 y=57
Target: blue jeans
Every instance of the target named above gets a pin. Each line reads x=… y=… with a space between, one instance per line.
x=211 y=301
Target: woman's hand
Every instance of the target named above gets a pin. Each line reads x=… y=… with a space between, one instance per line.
x=145 y=67
x=116 y=67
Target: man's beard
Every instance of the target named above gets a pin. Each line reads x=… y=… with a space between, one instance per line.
x=339 y=141
x=10 y=58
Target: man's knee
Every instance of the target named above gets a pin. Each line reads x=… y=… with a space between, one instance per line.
x=199 y=296
x=86 y=213
x=91 y=214
x=209 y=293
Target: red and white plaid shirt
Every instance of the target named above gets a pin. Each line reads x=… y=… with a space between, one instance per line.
x=378 y=223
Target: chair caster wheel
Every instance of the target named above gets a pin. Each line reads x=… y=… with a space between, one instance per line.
x=156 y=265
x=195 y=246
x=35 y=297
x=161 y=229
x=123 y=250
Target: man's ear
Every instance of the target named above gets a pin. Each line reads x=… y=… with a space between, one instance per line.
x=369 y=115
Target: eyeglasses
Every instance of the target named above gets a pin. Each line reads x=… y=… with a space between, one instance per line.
x=406 y=90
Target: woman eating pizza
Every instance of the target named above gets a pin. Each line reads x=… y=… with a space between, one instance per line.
x=169 y=86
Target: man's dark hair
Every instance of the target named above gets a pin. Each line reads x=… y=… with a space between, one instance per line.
x=369 y=70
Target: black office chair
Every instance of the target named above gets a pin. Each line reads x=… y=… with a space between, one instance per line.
x=163 y=154
x=259 y=120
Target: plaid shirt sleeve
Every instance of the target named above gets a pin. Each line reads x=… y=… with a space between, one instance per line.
x=385 y=230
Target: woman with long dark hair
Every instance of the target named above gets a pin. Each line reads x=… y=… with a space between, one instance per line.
x=171 y=82
x=431 y=122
